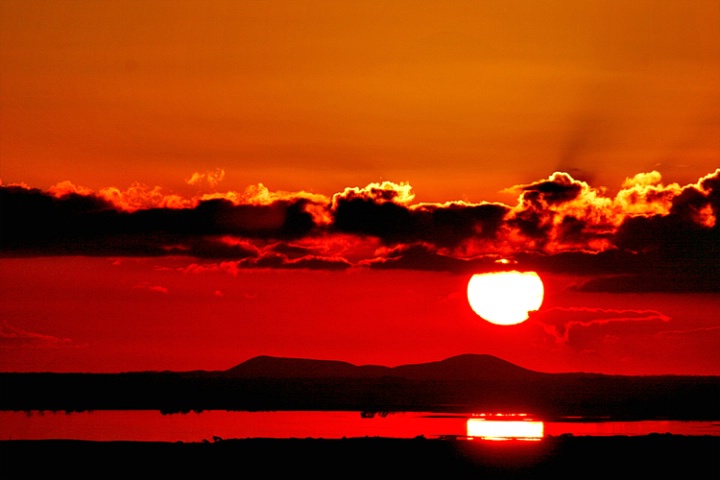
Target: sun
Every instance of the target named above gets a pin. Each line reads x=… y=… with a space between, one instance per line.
x=505 y=298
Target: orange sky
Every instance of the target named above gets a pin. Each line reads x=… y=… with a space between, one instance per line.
x=186 y=184
x=461 y=99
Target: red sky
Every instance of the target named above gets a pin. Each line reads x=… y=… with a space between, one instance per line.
x=185 y=185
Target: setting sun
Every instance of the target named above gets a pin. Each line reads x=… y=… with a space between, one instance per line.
x=505 y=298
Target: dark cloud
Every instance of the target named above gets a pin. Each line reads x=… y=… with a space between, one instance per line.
x=276 y=260
x=386 y=220
x=557 y=212
x=681 y=250
x=609 y=262
x=453 y=224
x=291 y=251
x=648 y=237
x=418 y=257
x=37 y=223
x=560 y=188
x=663 y=280
x=442 y=225
x=670 y=237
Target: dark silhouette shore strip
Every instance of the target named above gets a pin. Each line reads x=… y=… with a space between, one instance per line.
x=464 y=383
x=656 y=456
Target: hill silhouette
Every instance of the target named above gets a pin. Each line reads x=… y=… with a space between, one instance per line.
x=265 y=366
x=460 y=367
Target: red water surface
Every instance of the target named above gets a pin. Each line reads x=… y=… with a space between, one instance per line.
x=150 y=425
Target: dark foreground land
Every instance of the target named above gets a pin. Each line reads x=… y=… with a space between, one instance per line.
x=645 y=457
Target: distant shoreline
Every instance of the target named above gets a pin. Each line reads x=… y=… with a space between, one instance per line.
x=464 y=383
x=436 y=410
x=657 y=456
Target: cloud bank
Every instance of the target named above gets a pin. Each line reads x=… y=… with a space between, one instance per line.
x=647 y=236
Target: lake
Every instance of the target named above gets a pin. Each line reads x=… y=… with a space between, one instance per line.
x=151 y=425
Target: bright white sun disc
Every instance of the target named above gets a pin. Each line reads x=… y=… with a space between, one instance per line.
x=505 y=298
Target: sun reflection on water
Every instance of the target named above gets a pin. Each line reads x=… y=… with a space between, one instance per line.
x=504 y=426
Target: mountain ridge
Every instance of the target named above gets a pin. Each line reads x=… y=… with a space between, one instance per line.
x=468 y=366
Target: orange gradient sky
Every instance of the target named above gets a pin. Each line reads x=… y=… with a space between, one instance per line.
x=186 y=184
x=462 y=99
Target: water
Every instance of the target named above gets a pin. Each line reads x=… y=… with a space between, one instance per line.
x=151 y=425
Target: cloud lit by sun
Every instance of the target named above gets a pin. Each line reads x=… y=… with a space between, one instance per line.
x=552 y=216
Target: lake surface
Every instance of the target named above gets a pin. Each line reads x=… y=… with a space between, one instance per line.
x=151 y=425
